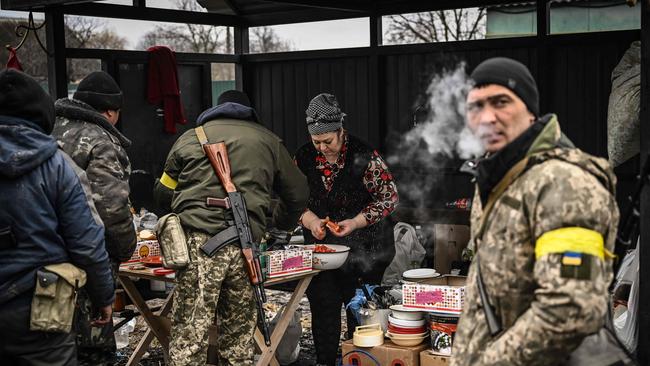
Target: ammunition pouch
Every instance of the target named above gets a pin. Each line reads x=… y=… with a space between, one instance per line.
x=55 y=295
x=173 y=243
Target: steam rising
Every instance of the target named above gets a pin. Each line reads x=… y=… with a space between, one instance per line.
x=437 y=142
x=443 y=133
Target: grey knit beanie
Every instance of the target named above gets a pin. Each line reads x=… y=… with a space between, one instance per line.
x=324 y=114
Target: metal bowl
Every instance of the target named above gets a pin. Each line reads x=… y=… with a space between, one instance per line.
x=331 y=260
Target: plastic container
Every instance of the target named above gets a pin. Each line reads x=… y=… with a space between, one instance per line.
x=443 y=331
x=373 y=316
x=158 y=286
x=368 y=336
x=122 y=334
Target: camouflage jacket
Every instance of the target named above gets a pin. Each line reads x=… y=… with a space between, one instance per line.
x=543 y=255
x=99 y=148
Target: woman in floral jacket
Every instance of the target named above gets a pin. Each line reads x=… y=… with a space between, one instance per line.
x=350 y=184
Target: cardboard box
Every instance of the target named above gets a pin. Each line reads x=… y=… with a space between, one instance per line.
x=145 y=248
x=444 y=294
x=388 y=354
x=290 y=261
x=448 y=244
x=429 y=359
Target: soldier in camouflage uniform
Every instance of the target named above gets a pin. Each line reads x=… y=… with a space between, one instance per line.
x=543 y=228
x=85 y=130
x=260 y=165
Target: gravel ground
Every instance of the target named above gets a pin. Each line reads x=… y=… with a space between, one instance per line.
x=276 y=299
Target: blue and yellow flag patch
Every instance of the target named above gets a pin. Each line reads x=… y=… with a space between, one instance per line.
x=572 y=259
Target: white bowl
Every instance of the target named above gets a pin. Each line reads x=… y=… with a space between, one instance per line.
x=407 y=336
x=406 y=323
x=331 y=260
x=400 y=312
x=405 y=342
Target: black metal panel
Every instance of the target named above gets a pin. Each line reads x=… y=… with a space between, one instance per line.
x=577 y=86
x=281 y=91
x=143 y=124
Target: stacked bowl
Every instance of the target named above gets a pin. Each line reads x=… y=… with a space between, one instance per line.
x=406 y=327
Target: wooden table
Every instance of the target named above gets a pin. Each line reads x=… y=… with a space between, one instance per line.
x=160 y=326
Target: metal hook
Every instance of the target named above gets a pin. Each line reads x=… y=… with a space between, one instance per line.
x=23 y=31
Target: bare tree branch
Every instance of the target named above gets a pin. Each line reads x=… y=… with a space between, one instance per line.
x=437 y=26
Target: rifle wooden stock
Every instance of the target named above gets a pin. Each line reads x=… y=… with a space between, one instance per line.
x=251 y=266
x=218 y=156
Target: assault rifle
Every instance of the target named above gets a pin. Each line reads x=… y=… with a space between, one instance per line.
x=218 y=156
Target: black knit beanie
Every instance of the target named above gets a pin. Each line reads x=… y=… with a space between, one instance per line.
x=234 y=96
x=22 y=97
x=99 y=90
x=510 y=74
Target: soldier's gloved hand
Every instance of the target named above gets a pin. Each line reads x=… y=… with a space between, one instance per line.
x=105 y=313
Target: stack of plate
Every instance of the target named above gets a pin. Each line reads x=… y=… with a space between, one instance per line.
x=406 y=327
x=419 y=274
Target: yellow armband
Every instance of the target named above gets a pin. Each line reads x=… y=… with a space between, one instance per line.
x=168 y=181
x=572 y=239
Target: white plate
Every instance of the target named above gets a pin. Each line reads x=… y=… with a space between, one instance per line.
x=406 y=323
x=401 y=307
x=421 y=273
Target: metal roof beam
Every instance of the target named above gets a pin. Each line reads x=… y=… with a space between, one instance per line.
x=151 y=14
x=349 y=5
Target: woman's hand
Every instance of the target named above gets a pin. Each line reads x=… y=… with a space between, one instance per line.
x=350 y=225
x=314 y=224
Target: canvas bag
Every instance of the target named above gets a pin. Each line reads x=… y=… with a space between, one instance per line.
x=55 y=295
x=173 y=243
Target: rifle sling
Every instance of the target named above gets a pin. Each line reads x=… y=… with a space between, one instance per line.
x=496 y=193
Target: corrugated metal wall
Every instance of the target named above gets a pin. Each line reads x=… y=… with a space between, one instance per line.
x=573 y=74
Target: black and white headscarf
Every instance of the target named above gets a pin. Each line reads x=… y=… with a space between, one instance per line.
x=324 y=114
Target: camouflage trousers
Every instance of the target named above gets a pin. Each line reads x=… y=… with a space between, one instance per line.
x=207 y=284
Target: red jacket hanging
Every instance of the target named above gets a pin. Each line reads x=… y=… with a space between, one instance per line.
x=163 y=86
x=13 y=62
